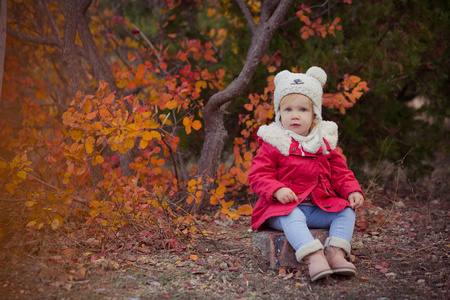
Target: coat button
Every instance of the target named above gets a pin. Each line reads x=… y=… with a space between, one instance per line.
x=293 y=149
x=286 y=212
x=314 y=183
x=300 y=198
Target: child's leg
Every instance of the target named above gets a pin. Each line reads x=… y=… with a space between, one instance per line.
x=294 y=227
x=340 y=224
x=307 y=249
x=337 y=245
x=343 y=224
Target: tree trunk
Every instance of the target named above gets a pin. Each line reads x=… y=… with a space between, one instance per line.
x=75 y=72
x=215 y=132
x=3 y=15
x=3 y=24
x=101 y=70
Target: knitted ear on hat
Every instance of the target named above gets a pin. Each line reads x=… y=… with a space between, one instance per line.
x=283 y=75
x=318 y=74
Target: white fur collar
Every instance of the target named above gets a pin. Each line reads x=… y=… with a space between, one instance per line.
x=276 y=135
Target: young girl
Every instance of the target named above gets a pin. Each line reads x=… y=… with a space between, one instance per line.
x=302 y=180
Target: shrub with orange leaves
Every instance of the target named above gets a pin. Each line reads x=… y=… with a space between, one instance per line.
x=161 y=85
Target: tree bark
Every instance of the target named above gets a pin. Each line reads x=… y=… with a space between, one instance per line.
x=215 y=132
x=75 y=72
x=101 y=70
x=3 y=15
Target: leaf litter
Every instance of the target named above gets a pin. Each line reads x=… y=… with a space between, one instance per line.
x=400 y=251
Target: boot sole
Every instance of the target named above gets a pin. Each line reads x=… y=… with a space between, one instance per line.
x=321 y=275
x=344 y=272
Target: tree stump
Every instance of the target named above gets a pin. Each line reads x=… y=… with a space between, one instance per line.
x=275 y=247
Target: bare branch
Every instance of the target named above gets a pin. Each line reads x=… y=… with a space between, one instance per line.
x=50 y=19
x=258 y=46
x=148 y=42
x=248 y=15
x=33 y=38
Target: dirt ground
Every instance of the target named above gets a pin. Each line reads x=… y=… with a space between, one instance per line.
x=400 y=248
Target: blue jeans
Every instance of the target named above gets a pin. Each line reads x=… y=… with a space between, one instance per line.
x=296 y=225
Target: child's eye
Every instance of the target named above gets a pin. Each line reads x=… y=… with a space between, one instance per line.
x=303 y=109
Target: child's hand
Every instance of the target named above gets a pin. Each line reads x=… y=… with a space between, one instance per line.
x=356 y=200
x=285 y=195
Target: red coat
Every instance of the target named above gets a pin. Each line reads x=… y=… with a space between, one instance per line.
x=324 y=177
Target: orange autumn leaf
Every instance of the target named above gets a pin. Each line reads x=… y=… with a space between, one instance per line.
x=193 y=257
x=196 y=124
x=140 y=71
x=108 y=99
x=187 y=124
x=245 y=210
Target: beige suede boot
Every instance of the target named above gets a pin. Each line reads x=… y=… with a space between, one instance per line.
x=317 y=265
x=312 y=255
x=336 y=250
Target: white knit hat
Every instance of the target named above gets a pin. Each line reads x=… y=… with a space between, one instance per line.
x=309 y=84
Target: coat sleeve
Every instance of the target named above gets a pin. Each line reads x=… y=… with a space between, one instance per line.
x=343 y=180
x=263 y=174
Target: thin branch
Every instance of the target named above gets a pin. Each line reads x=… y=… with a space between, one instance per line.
x=28 y=38
x=83 y=201
x=148 y=42
x=248 y=15
x=17 y=200
x=50 y=18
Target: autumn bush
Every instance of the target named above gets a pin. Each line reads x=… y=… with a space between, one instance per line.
x=64 y=151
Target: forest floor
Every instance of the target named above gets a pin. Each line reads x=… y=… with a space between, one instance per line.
x=400 y=248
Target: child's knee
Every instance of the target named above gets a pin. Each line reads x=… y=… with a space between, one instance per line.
x=348 y=212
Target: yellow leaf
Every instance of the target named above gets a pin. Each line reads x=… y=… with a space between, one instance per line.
x=94 y=204
x=146 y=135
x=30 y=203
x=11 y=188
x=156 y=134
x=213 y=200
x=143 y=143
x=220 y=191
x=55 y=224
x=31 y=223
x=89 y=144
x=201 y=84
x=98 y=160
x=129 y=143
x=22 y=174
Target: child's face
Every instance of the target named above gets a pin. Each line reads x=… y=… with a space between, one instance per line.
x=297 y=114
